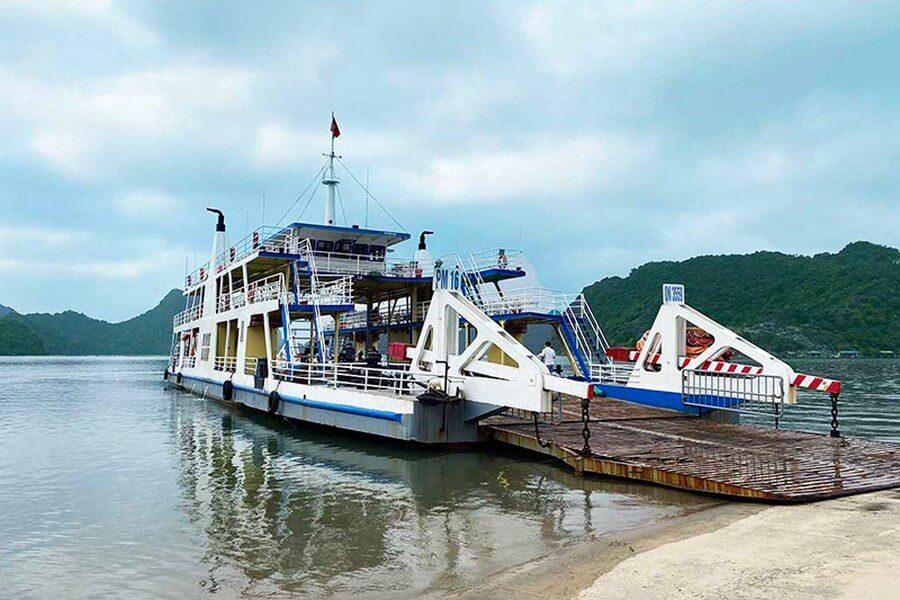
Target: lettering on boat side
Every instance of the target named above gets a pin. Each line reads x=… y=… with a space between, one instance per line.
x=673 y=293
x=446 y=279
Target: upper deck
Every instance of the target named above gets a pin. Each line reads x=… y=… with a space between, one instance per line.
x=352 y=251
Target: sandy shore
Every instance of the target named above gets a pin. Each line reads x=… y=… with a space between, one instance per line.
x=844 y=548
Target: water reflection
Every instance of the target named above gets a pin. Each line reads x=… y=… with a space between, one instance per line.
x=316 y=512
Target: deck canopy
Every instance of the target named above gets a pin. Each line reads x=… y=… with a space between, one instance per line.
x=359 y=235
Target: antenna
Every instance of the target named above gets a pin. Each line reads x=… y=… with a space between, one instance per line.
x=367 y=196
x=328 y=179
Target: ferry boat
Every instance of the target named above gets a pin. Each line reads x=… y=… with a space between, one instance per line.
x=295 y=320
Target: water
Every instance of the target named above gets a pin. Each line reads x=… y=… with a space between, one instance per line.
x=113 y=486
x=869 y=404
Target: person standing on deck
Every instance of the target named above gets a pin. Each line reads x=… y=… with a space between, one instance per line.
x=548 y=356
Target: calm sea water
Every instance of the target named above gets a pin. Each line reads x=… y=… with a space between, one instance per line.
x=113 y=486
x=869 y=405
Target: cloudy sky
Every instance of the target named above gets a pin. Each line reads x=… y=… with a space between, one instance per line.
x=595 y=136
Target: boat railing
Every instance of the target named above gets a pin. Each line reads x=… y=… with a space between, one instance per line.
x=611 y=373
x=272 y=239
x=337 y=291
x=250 y=365
x=365 y=264
x=531 y=299
x=262 y=290
x=382 y=315
x=188 y=315
x=188 y=362
x=498 y=258
x=225 y=363
x=395 y=379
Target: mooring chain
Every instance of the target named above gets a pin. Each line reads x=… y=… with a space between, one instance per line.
x=835 y=432
x=586 y=432
x=537 y=431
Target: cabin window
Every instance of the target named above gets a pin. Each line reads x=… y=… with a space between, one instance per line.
x=361 y=249
x=204 y=346
x=377 y=251
x=324 y=246
x=344 y=247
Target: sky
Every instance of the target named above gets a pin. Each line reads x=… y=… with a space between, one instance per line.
x=594 y=136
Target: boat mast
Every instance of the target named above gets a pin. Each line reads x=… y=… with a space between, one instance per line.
x=328 y=178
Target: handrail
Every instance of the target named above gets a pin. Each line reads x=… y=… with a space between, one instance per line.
x=263 y=290
x=400 y=315
x=398 y=381
x=188 y=315
x=225 y=363
x=250 y=365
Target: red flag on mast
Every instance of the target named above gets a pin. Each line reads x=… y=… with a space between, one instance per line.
x=335 y=131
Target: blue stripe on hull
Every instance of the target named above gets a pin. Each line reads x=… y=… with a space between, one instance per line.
x=670 y=400
x=383 y=415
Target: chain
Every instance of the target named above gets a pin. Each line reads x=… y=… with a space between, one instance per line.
x=835 y=432
x=586 y=432
x=537 y=431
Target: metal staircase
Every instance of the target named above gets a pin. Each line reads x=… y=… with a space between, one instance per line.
x=307 y=254
x=587 y=336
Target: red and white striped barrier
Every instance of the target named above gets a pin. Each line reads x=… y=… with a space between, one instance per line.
x=811 y=382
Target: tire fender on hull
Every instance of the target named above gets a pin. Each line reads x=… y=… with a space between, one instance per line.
x=274 y=402
x=227 y=390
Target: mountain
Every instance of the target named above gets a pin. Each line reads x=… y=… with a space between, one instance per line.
x=72 y=333
x=826 y=302
x=18 y=338
x=5 y=310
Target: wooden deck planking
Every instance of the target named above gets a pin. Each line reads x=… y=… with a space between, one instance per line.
x=682 y=451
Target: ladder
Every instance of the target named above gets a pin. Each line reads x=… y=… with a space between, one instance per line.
x=474 y=283
x=589 y=338
x=307 y=253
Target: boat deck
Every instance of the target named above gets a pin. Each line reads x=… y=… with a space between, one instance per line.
x=681 y=451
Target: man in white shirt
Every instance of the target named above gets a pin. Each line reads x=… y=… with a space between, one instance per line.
x=548 y=356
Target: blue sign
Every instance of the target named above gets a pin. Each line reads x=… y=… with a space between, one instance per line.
x=446 y=279
x=673 y=293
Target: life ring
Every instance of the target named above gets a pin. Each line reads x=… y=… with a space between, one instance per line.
x=178 y=378
x=274 y=401
x=227 y=390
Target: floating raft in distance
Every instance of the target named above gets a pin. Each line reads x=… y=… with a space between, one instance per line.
x=681 y=451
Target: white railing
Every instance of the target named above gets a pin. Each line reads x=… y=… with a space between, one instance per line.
x=189 y=362
x=381 y=315
x=364 y=264
x=188 y=315
x=349 y=375
x=272 y=239
x=250 y=365
x=339 y=291
x=263 y=290
x=497 y=258
x=611 y=373
x=532 y=299
x=225 y=363
x=287 y=241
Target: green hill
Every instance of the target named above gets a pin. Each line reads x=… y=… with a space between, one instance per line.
x=72 y=333
x=18 y=338
x=783 y=303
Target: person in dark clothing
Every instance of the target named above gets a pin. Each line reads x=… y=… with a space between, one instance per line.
x=347 y=354
x=373 y=357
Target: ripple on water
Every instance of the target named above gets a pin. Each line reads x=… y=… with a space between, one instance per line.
x=111 y=485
